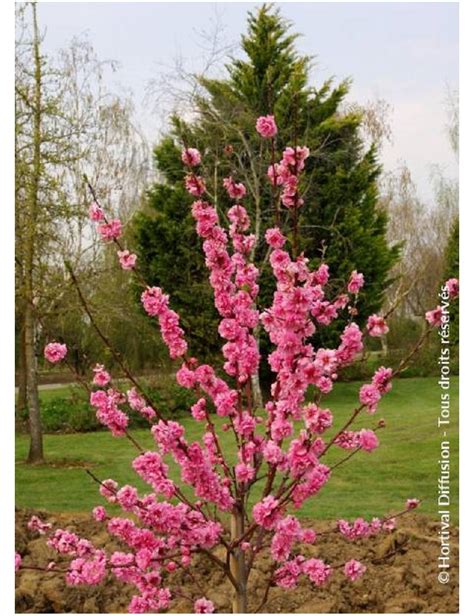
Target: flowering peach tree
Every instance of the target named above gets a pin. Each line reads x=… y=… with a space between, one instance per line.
x=279 y=460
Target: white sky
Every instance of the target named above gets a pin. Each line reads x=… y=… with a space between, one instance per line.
x=405 y=53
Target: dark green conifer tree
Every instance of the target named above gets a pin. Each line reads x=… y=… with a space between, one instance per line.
x=340 y=220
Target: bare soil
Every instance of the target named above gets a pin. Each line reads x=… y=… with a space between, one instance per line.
x=404 y=582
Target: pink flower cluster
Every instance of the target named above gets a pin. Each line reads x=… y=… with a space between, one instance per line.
x=234 y=282
x=356 y=282
x=266 y=126
x=235 y=190
x=127 y=259
x=111 y=230
x=96 y=213
x=101 y=376
x=354 y=570
x=195 y=185
x=55 y=352
x=361 y=529
x=108 y=412
x=288 y=532
x=364 y=439
x=439 y=315
x=37 y=525
x=191 y=157
x=376 y=326
x=156 y=304
x=285 y=174
x=435 y=316
x=203 y=606
x=316 y=569
x=371 y=394
x=452 y=285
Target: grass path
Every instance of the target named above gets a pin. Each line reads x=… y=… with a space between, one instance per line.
x=405 y=465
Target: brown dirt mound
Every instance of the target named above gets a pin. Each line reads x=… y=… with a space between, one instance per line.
x=406 y=582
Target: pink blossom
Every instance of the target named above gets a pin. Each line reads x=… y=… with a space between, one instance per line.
x=244 y=472
x=389 y=525
x=186 y=377
x=226 y=404
x=287 y=575
x=321 y=275
x=198 y=410
x=127 y=259
x=358 y=530
x=275 y=238
x=369 y=396
x=376 y=326
x=55 y=352
x=96 y=213
x=435 y=316
x=37 y=525
x=290 y=197
x=127 y=497
x=317 y=570
x=368 y=440
x=154 y=471
x=313 y=481
x=266 y=126
x=167 y=435
x=452 y=286
x=108 y=489
x=356 y=282
x=203 y=606
x=155 y=303
x=412 y=503
x=266 y=513
x=191 y=157
x=108 y=411
x=91 y=570
x=245 y=424
x=239 y=217
x=99 y=514
x=234 y=190
x=317 y=420
x=111 y=230
x=17 y=561
x=135 y=401
x=382 y=379
x=295 y=157
x=354 y=569
x=195 y=185
x=101 y=376
x=347 y=440
x=273 y=454
x=351 y=344
x=278 y=173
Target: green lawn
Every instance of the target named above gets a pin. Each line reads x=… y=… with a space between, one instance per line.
x=405 y=465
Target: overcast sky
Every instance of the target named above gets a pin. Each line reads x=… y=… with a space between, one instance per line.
x=405 y=53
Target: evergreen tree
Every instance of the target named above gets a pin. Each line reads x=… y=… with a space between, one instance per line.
x=340 y=221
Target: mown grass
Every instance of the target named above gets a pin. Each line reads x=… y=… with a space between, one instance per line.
x=405 y=464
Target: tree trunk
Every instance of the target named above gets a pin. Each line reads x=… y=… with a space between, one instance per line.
x=237 y=564
x=35 y=454
x=22 y=399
